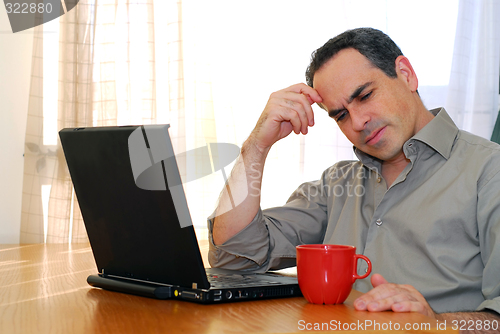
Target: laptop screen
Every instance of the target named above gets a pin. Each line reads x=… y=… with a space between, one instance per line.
x=134 y=233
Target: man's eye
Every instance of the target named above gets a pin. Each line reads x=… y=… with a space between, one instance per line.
x=341 y=116
x=366 y=96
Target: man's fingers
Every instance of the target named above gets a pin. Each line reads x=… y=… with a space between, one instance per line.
x=294 y=119
x=395 y=297
x=388 y=303
x=311 y=102
x=309 y=111
x=309 y=99
x=302 y=88
x=299 y=104
x=306 y=96
x=380 y=292
x=287 y=110
x=407 y=306
x=413 y=306
x=377 y=280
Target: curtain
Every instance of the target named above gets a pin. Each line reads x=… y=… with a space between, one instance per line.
x=106 y=76
x=473 y=89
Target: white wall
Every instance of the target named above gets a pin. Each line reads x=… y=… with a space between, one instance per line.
x=15 y=69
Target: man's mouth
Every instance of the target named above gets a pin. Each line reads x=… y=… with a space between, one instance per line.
x=375 y=136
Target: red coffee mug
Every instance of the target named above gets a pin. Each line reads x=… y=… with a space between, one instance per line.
x=326 y=273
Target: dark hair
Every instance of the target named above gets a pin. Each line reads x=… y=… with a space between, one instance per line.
x=376 y=46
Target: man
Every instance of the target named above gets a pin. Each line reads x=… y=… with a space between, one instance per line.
x=422 y=203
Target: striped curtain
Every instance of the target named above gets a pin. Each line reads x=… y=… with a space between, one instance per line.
x=106 y=76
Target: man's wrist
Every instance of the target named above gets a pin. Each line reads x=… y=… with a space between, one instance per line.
x=252 y=147
x=472 y=315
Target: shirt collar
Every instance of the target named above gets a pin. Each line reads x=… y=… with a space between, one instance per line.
x=439 y=134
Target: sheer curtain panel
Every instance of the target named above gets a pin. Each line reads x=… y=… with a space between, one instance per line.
x=473 y=89
x=106 y=76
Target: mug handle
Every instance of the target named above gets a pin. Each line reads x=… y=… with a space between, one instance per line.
x=355 y=275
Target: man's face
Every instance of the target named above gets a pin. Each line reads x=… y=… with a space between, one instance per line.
x=375 y=112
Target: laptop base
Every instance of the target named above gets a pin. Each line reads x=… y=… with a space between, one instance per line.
x=140 y=289
x=222 y=295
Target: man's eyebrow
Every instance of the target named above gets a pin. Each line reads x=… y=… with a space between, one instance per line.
x=358 y=91
x=334 y=112
x=331 y=113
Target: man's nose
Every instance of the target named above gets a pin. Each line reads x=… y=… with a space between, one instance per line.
x=359 y=119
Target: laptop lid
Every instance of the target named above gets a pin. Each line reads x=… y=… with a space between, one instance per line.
x=135 y=233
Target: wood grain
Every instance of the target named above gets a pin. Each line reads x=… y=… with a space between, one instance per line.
x=43 y=289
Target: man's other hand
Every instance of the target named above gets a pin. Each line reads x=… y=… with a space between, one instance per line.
x=396 y=297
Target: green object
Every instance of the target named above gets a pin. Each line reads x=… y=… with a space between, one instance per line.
x=495 y=136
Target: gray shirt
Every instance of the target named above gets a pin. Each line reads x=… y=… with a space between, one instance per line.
x=437 y=227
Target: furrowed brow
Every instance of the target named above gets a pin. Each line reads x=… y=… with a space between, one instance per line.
x=358 y=91
x=334 y=112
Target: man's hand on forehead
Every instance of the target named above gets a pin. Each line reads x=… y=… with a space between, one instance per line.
x=287 y=110
x=315 y=98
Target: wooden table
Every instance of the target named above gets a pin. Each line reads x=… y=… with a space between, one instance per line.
x=43 y=289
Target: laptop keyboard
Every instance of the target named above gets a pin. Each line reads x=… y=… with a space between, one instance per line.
x=236 y=280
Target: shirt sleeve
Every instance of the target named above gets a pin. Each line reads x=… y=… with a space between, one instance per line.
x=268 y=242
x=488 y=217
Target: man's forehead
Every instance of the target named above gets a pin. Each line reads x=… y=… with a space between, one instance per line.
x=345 y=61
x=341 y=82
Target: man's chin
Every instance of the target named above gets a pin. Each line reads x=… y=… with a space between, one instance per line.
x=384 y=154
x=392 y=156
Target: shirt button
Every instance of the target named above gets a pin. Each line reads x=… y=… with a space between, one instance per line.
x=378 y=222
x=379 y=179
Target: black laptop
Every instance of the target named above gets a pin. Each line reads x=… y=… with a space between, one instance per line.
x=135 y=212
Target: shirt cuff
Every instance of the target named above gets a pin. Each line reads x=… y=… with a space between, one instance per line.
x=490 y=304
x=235 y=254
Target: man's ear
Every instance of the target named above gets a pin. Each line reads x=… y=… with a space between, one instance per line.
x=405 y=71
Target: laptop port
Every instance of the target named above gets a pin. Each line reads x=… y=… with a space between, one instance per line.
x=257 y=294
x=189 y=295
x=229 y=295
x=242 y=294
x=217 y=298
x=218 y=293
